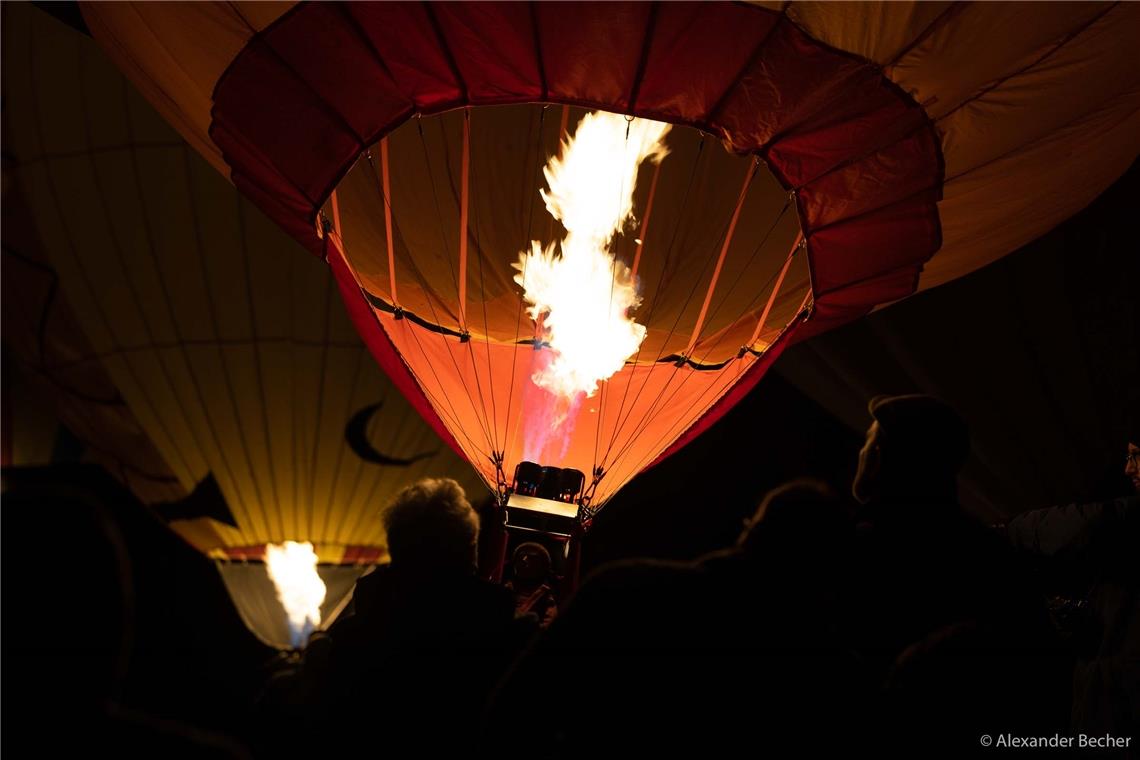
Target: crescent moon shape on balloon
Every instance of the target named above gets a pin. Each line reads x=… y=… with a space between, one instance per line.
x=356 y=436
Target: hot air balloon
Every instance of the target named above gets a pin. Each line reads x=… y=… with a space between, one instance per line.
x=75 y=400
x=249 y=413
x=823 y=160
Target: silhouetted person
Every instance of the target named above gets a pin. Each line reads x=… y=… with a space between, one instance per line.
x=414 y=663
x=530 y=583
x=1089 y=554
x=69 y=660
x=667 y=657
x=922 y=564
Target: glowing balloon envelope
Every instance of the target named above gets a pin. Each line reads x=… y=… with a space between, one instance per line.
x=260 y=418
x=903 y=144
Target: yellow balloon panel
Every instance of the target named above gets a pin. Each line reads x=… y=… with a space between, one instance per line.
x=227 y=341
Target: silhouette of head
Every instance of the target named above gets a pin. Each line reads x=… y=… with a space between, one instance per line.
x=800 y=524
x=914 y=449
x=531 y=563
x=432 y=528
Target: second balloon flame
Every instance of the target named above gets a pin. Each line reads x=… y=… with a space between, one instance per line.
x=293 y=568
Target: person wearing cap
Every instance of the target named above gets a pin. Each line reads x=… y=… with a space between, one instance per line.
x=914 y=449
x=924 y=566
x=922 y=562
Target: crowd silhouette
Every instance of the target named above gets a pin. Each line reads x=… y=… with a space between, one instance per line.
x=891 y=623
x=896 y=622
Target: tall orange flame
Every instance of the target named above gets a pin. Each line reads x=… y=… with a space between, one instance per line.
x=583 y=293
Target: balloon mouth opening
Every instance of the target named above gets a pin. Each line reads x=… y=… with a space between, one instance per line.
x=560 y=282
x=435 y=234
